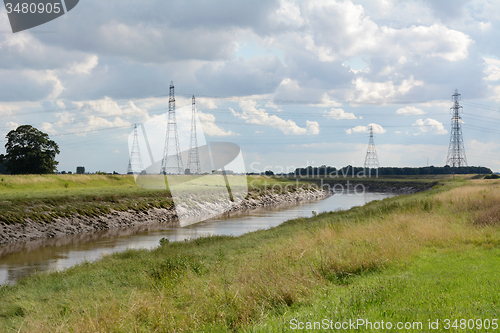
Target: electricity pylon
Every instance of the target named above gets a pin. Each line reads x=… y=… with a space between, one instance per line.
x=172 y=161
x=135 y=162
x=371 y=160
x=456 y=151
x=193 y=165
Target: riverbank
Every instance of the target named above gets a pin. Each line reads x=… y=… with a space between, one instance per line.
x=430 y=255
x=48 y=206
x=77 y=223
x=396 y=185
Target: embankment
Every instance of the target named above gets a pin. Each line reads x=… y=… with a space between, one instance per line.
x=375 y=185
x=77 y=223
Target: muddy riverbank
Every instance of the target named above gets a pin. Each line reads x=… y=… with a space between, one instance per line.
x=80 y=224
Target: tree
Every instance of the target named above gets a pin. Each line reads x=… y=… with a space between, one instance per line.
x=30 y=151
x=3 y=168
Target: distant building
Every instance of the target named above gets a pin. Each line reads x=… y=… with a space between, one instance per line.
x=217 y=172
x=80 y=170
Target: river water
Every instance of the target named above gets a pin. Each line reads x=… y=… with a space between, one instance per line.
x=20 y=260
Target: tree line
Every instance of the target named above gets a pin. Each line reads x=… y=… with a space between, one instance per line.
x=385 y=171
x=31 y=151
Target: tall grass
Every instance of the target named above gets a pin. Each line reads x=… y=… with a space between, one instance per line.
x=226 y=283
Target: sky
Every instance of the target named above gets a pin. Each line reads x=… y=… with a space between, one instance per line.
x=293 y=83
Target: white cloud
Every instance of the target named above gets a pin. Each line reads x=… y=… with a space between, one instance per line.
x=339 y=114
x=270 y=104
x=11 y=126
x=326 y=102
x=410 y=110
x=445 y=104
x=109 y=107
x=380 y=92
x=48 y=128
x=435 y=41
x=484 y=146
x=288 y=14
x=97 y=122
x=357 y=34
x=48 y=76
x=252 y=115
x=493 y=69
x=312 y=127
x=431 y=126
x=377 y=129
x=86 y=66
x=496 y=95
x=484 y=26
x=64 y=118
x=5 y=111
x=206 y=103
x=210 y=128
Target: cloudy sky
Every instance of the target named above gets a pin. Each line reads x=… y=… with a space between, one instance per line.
x=293 y=83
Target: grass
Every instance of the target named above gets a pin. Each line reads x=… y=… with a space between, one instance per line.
x=43 y=198
x=424 y=256
x=440 y=284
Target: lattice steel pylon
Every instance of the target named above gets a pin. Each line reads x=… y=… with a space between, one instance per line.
x=371 y=160
x=193 y=165
x=172 y=160
x=135 y=161
x=456 y=151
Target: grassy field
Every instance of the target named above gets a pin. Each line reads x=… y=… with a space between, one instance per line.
x=429 y=256
x=45 y=197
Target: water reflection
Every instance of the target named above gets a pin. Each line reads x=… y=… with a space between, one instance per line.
x=19 y=260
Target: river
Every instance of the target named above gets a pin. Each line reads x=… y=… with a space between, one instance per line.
x=20 y=260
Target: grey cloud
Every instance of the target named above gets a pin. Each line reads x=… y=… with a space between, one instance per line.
x=158 y=31
x=242 y=77
x=305 y=67
x=23 y=51
x=143 y=45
